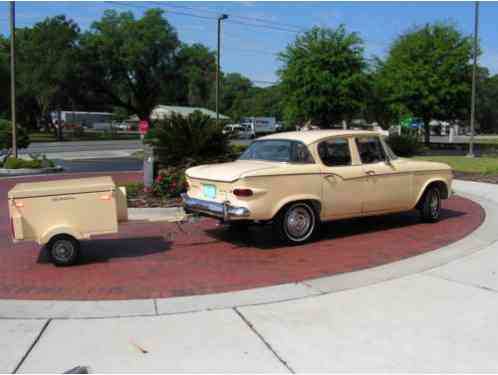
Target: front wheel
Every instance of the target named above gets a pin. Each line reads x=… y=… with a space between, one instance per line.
x=296 y=223
x=431 y=205
x=63 y=250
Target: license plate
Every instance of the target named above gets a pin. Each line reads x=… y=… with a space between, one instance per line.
x=209 y=191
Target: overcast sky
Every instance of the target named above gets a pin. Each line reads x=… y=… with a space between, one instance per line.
x=256 y=31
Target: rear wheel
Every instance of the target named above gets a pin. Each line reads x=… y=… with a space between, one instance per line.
x=296 y=223
x=63 y=250
x=431 y=205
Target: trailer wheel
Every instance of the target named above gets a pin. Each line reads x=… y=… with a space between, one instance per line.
x=63 y=250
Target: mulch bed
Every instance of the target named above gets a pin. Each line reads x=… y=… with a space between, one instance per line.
x=477 y=177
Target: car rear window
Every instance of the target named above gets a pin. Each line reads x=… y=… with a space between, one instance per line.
x=278 y=150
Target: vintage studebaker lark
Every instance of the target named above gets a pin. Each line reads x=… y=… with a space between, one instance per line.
x=296 y=180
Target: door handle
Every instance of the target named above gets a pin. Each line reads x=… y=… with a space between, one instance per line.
x=370 y=173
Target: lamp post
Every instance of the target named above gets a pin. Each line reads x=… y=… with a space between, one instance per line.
x=13 y=76
x=220 y=18
x=474 y=70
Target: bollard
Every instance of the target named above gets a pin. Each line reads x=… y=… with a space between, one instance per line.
x=148 y=166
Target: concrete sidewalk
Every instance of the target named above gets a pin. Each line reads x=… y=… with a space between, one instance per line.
x=436 y=312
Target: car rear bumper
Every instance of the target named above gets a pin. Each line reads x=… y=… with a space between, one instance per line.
x=214 y=209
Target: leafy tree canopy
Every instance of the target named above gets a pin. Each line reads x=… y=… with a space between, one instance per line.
x=130 y=60
x=323 y=76
x=428 y=71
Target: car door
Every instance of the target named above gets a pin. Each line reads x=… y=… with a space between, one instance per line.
x=387 y=187
x=343 y=181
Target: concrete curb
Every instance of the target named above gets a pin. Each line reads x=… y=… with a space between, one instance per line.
x=484 y=236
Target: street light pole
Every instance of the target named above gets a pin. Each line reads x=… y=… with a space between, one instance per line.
x=474 y=73
x=220 y=18
x=13 y=76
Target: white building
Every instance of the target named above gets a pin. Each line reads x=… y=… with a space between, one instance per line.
x=161 y=112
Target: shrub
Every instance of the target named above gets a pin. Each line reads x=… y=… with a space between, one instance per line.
x=133 y=188
x=405 y=145
x=6 y=136
x=179 y=138
x=169 y=185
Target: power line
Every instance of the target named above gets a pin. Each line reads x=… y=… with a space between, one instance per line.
x=232 y=15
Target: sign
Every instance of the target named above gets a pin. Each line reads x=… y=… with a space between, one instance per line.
x=143 y=127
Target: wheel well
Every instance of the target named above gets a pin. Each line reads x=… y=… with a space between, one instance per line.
x=443 y=189
x=315 y=204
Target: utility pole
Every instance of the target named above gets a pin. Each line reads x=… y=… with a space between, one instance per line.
x=220 y=18
x=474 y=73
x=13 y=76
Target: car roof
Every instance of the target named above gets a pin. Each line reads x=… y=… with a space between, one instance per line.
x=312 y=136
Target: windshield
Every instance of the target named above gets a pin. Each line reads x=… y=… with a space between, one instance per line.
x=278 y=150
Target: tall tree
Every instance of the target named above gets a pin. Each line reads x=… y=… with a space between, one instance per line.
x=196 y=64
x=428 y=71
x=4 y=78
x=46 y=55
x=235 y=87
x=131 y=61
x=486 y=105
x=323 y=76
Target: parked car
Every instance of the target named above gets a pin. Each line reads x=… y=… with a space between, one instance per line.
x=296 y=180
x=232 y=130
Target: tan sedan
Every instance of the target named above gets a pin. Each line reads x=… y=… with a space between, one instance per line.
x=298 y=179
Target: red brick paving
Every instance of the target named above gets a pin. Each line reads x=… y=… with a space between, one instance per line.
x=164 y=260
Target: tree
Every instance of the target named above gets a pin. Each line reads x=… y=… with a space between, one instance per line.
x=259 y=102
x=377 y=106
x=428 y=71
x=131 y=61
x=323 y=76
x=22 y=136
x=4 y=79
x=486 y=103
x=45 y=60
x=234 y=87
x=196 y=64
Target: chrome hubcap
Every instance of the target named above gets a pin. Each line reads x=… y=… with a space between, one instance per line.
x=63 y=250
x=299 y=222
x=435 y=204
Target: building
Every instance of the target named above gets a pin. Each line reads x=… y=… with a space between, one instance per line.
x=161 y=112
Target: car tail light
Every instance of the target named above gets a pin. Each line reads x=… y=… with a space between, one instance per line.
x=19 y=204
x=242 y=192
x=106 y=197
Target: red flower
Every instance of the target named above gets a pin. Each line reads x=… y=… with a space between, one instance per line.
x=147 y=189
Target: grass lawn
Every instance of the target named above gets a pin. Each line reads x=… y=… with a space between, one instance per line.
x=482 y=165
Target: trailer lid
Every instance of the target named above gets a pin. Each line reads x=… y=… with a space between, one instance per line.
x=61 y=187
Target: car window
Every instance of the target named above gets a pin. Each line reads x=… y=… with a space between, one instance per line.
x=301 y=154
x=335 y=152
x=370 y=149
x=278 y=150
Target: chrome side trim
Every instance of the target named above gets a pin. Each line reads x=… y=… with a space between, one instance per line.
x=219 y=210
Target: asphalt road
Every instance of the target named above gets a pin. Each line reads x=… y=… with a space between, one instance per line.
x=100 y=165
x=59 y=147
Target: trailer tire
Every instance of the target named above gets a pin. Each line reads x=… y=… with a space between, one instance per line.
x=63 y=250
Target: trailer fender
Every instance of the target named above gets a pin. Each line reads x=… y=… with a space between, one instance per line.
x=59 y=229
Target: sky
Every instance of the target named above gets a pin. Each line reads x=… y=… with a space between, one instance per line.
x=255 y=32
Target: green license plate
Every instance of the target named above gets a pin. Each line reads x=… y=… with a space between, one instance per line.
x=209 y=191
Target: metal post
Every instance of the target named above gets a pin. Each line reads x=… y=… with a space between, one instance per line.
x=220 y=18
x=474 y=70
x=13 y=76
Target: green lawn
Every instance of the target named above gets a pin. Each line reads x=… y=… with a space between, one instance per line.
x=482 y=165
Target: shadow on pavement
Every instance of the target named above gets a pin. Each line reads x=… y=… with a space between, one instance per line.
x=264 y=238
x=102 y=250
